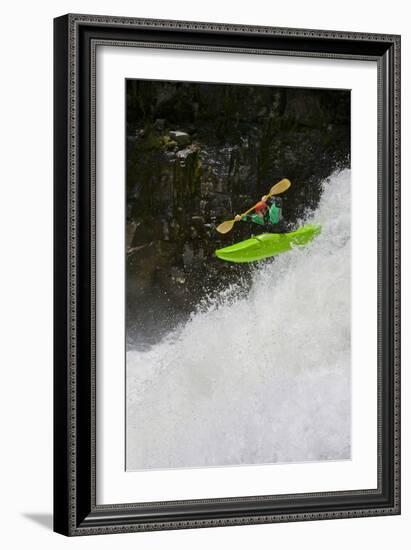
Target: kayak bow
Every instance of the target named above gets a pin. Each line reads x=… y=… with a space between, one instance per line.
x=268 y=244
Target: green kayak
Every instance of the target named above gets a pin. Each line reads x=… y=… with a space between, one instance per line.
x=268 y=244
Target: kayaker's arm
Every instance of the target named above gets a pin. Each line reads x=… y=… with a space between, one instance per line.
x=254 y=218
x=278 y=201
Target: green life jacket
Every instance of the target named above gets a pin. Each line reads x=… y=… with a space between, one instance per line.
x=274 y=213
x=273 y=216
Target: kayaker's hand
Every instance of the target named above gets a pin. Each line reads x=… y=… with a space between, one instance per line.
x=238 y=218
x=264 y=198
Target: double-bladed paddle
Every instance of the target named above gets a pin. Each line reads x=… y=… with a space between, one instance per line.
x=276 y=189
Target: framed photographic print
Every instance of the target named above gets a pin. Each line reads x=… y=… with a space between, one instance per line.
x=227 y=277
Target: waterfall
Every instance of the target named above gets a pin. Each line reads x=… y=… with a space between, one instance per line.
x=255 y=377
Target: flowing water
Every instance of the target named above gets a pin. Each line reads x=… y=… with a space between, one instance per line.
x=259 y=375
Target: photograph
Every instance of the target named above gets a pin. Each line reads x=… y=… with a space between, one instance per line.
x=238 y=274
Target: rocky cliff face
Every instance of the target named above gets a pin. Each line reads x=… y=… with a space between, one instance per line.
x=197 y=154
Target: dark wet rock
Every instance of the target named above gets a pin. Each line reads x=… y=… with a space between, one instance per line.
x=131 y=229
x=197 y=154
x=181 y=138
x=159 y=124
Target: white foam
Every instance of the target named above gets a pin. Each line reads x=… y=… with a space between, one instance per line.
x=255 y=378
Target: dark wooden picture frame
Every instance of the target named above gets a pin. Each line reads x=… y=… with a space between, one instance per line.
x=75 y=508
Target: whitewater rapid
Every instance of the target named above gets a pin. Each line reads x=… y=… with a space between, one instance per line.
x=256 y=377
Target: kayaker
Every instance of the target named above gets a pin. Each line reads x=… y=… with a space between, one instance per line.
x=268 y=213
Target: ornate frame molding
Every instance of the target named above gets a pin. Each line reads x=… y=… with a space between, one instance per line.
x=76 y=40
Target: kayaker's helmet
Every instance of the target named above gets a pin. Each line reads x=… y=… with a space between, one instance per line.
x=261 y=207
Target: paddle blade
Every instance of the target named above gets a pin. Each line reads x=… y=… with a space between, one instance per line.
x=225 y=227
x=280 y=187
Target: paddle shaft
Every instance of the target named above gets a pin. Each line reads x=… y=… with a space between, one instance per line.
x=276 y=189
